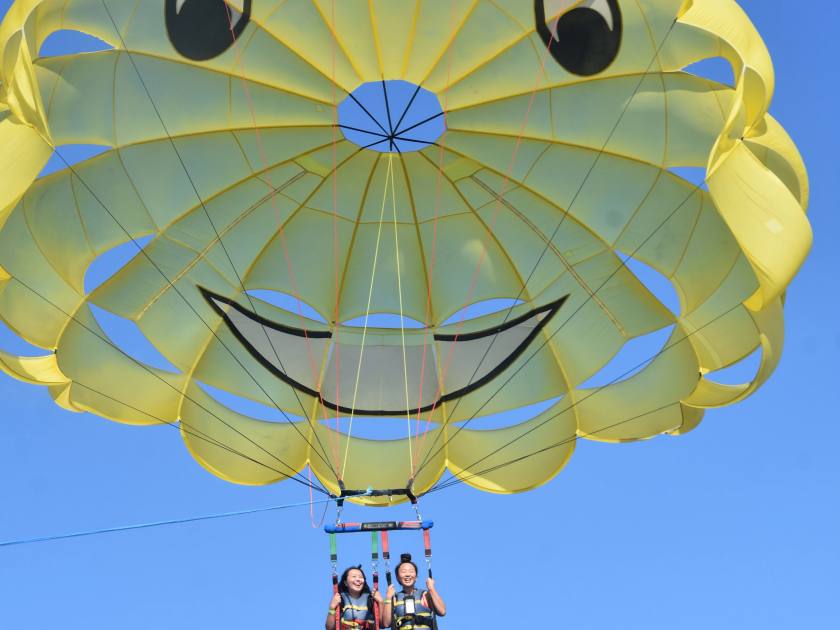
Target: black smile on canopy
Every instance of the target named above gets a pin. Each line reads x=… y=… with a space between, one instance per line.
x=470 y=359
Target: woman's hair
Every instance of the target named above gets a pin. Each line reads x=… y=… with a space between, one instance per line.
x=405 y=558
x=342 y=584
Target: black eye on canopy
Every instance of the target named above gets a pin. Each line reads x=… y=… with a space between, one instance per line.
x=585 y=40
x=203 y=29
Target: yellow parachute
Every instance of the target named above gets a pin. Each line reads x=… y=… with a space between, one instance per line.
x=249 y=153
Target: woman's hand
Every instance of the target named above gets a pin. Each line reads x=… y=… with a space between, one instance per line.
x=335 y=601
x=433 y=598
x=377 y=596
x=390 y=592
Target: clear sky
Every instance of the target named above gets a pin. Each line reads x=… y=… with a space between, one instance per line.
x=734 y=526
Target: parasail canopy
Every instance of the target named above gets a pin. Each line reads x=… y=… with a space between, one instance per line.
x=323 y=201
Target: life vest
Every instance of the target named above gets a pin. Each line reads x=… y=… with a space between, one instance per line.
x=354 y=616
x=422 y=619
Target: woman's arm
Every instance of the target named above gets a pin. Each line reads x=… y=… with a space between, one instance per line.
x=334 y=602
x=437 y=601
x=387 y=609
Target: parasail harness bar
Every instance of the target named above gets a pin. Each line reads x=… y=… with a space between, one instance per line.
x=407 y=492
x=378 y=526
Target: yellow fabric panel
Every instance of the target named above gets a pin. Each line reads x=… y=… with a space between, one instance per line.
x=637 y=128
x=432 y=34
x=462 y=240
x=20 y=86
x=392 y=44
x=36 y=286
x=433 y=193
x=692 y=417
x=645 y=404
x=238 y=448
x=19 y=168
x=34 y=370
x=386 y=292
x=351 y=26
x=770 y=326
x=779 y=154
x=386 y=189
x=767 y=219
x=723 y=329
x=533 y=377
x=108 y=206
x=502 y=73
x=302 y=26
x=225 y=365
x=109 y=383
x=378 y=463
x=543 y=445
x=728 y=22
x=352 y=175
x=543 y=183
x=314 y=276
x=484 y=31
x=590 y=328
x=663 y=242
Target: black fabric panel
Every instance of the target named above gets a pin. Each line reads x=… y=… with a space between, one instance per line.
x=585 y=45
x=201 y=30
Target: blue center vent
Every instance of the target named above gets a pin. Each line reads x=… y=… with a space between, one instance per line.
x=391 y=117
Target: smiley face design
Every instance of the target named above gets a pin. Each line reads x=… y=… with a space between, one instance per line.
x=389 y=238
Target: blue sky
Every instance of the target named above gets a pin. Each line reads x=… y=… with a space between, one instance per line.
x=732 y=526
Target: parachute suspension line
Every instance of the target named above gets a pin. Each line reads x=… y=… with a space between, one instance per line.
x=474 y=280
x=573 y=405
x=551 y=239
x=313 y=523
x=431 y=266
x=185 y=427
x=595 y=391
x=455 y=480
x=402 y=319
x=388 y=175
x=572 y=438
x=292 y=276
x=218 y=239
x=70 y=316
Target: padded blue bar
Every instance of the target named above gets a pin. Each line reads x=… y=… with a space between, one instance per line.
x=378 y=526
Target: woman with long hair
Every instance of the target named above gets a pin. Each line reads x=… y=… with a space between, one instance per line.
x=356 y=601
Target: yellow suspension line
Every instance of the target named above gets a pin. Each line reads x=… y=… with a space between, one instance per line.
x=388 y=176
x=402 y=320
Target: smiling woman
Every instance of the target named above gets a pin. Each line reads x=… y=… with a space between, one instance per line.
x=297 y=169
